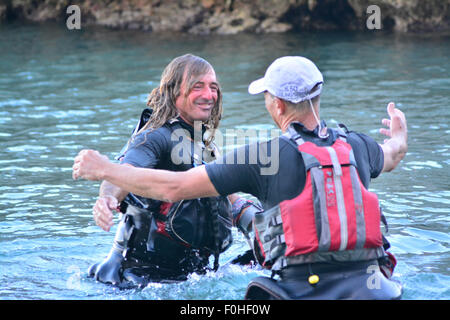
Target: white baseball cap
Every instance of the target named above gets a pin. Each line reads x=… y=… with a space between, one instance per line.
x=290 y=78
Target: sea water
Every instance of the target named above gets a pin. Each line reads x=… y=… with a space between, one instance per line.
x=63 y=90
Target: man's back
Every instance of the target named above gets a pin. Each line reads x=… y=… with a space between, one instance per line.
x=289 y=180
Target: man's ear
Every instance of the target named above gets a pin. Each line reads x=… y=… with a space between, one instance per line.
x=281 y=106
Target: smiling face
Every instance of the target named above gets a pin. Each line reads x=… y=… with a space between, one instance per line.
x=197 y=97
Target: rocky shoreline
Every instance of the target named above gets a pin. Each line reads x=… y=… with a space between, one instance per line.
x=237 y=16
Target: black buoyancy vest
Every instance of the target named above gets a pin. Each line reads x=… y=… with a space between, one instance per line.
x=203 y=223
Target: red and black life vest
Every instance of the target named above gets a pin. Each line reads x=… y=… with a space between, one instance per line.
x=334 y=218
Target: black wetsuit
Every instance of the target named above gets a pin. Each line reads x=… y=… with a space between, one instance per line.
x=162 y=257
x=288 y=182
x=143 y=250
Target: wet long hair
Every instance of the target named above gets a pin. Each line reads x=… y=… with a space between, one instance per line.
x=162 y=99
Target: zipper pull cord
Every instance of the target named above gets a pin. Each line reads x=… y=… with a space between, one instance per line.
x=215 y=226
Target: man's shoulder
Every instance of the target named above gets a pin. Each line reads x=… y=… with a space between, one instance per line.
x=367 y=151
x=163 y=131
x=357 y=138
x=267 y=146
x=354 y=136
x=148 y=137
x=281 y=140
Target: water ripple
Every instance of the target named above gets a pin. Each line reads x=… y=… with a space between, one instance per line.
x=89 y=92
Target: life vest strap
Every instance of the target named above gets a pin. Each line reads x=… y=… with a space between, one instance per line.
x=362 y=254
x=320 y=209
x=274 y=221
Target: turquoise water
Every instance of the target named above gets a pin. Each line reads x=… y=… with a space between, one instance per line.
x=63 y=90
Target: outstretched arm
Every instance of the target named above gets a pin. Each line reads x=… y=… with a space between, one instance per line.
x=150 y=183
x=396 y=146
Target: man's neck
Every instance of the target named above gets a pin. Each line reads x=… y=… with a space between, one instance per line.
x=308 y=121
x=194 y=129
x=186 y=121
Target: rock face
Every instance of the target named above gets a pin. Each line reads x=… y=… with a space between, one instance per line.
x=235 y=16
x=409 y=15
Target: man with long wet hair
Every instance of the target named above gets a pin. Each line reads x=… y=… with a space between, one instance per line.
x=158 y=241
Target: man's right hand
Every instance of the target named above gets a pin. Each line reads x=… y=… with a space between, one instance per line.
x=103 y=211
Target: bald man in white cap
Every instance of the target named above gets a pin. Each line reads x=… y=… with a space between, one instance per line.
x=320 y=231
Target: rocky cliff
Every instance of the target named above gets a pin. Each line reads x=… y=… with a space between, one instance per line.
x=235 y=16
